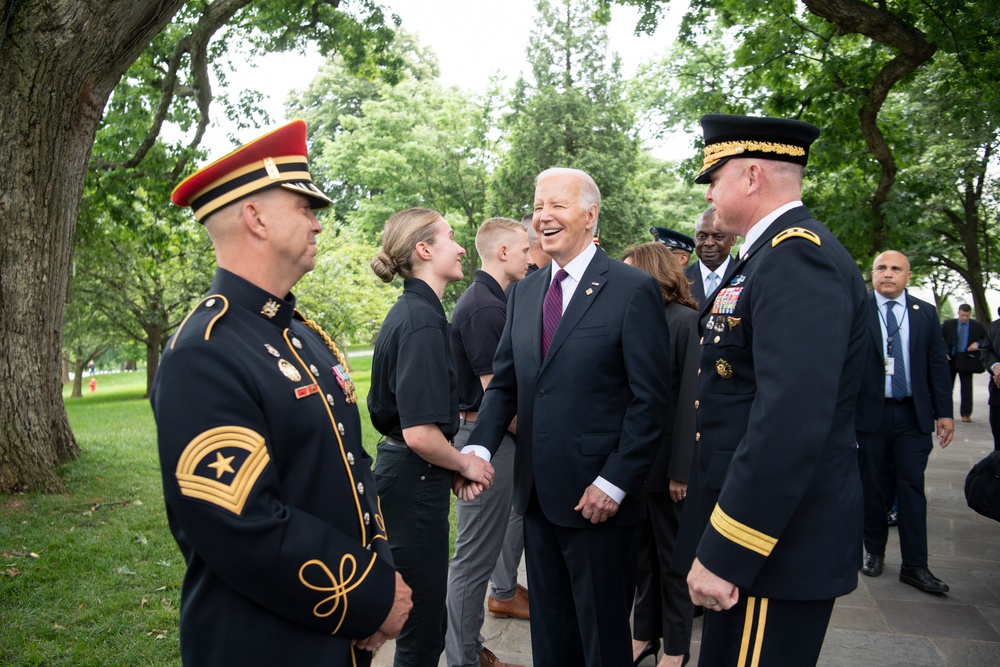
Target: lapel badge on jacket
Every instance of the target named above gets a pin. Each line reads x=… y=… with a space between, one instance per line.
x=737 y=280
x=346 y=384
x=270 y=309
x=724 y=369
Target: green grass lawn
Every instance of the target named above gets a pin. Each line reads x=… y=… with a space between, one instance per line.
x=93 y=576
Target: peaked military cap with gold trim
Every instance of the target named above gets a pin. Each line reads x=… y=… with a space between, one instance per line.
x=729 y=136
x=277 y=159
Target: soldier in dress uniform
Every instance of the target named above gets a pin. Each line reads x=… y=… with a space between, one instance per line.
x=269 y=492
x=775 y=510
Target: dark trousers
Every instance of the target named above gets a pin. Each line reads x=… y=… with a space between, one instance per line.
x=663 y=605
x=415 y=498
x=762 y=632
x=582 y=581
x=965 y=379
x=899 y=441
x=995 y=414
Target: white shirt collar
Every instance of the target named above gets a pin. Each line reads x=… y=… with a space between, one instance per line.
x=720 y=270
x=758 y=229
x=882 y=300
x=576 y=266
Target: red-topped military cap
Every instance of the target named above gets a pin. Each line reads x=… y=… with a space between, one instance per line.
x=277 y=159
x=728 y=136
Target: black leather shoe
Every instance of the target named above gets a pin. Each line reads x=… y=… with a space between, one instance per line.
x=652 y=648
x=922 y=578
x=892 y=518
x=873 y=565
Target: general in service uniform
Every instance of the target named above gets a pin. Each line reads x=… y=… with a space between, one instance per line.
x=269 y=493
x=776 y=515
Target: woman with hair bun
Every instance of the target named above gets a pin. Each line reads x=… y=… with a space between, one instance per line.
x=413 y=403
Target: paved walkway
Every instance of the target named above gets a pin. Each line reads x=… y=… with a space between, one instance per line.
x=886 y=623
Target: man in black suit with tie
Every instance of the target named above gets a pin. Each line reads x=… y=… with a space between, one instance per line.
x=580 y=364
x=962 y=338
x=776 y=515
x=904 y=396
x=712 y=246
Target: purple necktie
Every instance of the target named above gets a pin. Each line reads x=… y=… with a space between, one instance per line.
x=552 y=310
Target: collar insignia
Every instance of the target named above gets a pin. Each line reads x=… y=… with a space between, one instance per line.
x=270 y=308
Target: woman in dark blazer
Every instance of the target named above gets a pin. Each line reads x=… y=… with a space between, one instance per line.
x=663 y=606
x=413 y=402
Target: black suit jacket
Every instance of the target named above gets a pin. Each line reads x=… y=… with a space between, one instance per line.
x=930 y=381
x=777 y=490
x=693 y=272
x=597 y=405
x=991 y=355
x=949 y=329
x=673 y=461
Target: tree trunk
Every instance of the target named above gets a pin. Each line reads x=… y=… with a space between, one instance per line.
x=77 y=380
x=154 y=348
x=59 y=62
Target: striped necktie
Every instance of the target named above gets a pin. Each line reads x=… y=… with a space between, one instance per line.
x=552 y=310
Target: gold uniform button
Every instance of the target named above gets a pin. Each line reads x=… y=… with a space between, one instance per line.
x=701 y=341
x=697 y=404
x=361 y=489
x=697 y=437
x=699 y=371
x=718 y=338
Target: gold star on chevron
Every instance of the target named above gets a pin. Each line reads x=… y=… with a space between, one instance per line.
x=221 y=464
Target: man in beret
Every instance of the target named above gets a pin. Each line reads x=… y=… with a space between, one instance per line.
x=681 y=245
x=776 y=517
x=269 y=493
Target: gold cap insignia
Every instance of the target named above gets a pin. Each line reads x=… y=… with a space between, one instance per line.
x=270 y=308
x=289 y=371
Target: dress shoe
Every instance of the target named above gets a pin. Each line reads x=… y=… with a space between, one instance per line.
x=873 y=565
x=516 y=607
x=922 y=578
x=652 y=648
x=892 y=518
x=966 y=418
x=487 y=659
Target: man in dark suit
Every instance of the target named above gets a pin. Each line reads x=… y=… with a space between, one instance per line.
x=962 y=337
x=579 y=363
x=777 y=502
x=991 y=361
x=714 y=261
x=904 y=396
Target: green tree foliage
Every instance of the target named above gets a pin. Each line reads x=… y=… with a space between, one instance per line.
x=62 y=60
x=342 y=292
x=906 y=95
x=573 y=114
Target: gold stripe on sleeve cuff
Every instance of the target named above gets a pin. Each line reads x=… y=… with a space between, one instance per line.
x=743 y=535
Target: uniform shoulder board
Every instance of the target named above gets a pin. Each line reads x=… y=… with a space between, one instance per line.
x=208 y=311
x=795 y=231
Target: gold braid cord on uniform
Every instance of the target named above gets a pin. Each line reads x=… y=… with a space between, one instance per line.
x=349 y=389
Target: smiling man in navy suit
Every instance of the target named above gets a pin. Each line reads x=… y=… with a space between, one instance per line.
x=580 y=364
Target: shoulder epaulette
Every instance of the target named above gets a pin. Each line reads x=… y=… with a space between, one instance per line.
x=795 y=231
x=215 y=305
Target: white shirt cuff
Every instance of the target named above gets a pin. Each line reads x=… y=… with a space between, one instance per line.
x=607 y=487
x=479 y=451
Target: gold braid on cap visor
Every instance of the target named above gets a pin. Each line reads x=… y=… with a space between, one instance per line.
x=724 y=149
